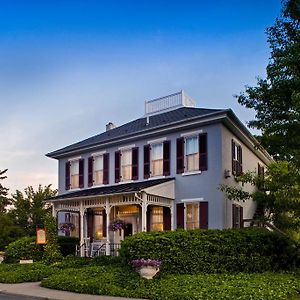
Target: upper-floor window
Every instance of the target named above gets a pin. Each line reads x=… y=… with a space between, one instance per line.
x=74 y=171
x=237 y=159
x=126 y=164
x=191 y=153
x=98 y=169
x=157 y=159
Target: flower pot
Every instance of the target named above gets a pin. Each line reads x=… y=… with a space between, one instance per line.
x=26 y=261
x=148 y=272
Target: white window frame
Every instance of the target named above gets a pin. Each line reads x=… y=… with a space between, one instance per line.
x=160 y=221
x=194 y=171
x=195 y=204
x=123 y=179
x=95 y=183
x=152 y=160
x=74 y=175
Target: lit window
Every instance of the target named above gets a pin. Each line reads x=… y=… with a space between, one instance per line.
x=98 y=169
x=126 y=164
x=157 y=218
x=192 y=154
x=192 y=216
x=157 y=159
x=74 y=174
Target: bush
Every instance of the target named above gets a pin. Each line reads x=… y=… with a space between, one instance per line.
x=67 y=245
x=122 y=282
x=211 y=251
x=24 y=248
x=104 y=260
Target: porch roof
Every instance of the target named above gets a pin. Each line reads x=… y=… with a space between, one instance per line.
x=121 y=188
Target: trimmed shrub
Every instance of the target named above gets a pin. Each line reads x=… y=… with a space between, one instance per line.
x=67 y=245
x=23 y=248
x=211 y=251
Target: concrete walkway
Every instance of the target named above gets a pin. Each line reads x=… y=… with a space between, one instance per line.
x=33 y=289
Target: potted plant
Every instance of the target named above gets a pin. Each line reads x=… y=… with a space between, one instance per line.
x=117 y=225
x=2 y=256
x=66 y=228
x=147 y=268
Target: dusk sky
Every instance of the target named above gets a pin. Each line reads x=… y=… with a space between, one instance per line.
x=69 y=67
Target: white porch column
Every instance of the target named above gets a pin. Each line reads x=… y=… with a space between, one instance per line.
x=144 y=211
x=81 y=213
x=54 y=212
x=172 y=216
x=107 y=210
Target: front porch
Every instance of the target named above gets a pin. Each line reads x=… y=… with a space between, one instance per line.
x=138 y=207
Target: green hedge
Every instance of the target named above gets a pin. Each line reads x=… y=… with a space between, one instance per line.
x=67 y=245
x=210 y=251
x=24 y=248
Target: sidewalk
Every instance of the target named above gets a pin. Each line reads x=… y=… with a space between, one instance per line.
x=34 y=289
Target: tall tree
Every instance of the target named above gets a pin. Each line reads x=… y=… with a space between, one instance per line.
x=4 y=201
x=30 y=209
x=276 y=99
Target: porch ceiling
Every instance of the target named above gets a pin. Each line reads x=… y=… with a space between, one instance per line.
x=154 y=186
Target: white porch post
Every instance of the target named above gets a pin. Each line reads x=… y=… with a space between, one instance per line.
x=81 y=212
x=144 y=211
x=172 y=216
x=107 y=210
x=54 y=213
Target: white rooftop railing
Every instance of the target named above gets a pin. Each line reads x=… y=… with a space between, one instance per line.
x=169 y=102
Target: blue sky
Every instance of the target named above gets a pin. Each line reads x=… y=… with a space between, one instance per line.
x=69 y=67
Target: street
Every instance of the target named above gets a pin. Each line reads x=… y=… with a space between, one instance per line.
x=13 y=297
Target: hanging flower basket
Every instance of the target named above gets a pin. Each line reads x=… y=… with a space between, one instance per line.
x=66 y=227
x=147 y=268
x=117 y=225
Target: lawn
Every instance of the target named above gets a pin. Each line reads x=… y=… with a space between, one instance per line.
x=116 y=280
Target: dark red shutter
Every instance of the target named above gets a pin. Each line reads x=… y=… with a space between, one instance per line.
x=90 y=171
x=117 y=166
x=166 y=158
x=148 y=218
x=233 y=216
x=180 y=215
x=167 y=218
x=146 y=161
x=233 y=156
x=180 y=155
x=203 y=214
x=81 y=173
x=90 y=223
x=104 y=216
x=241 y=217
x=203 y=152
x=240 y=160
x=105 y=168
x=68 y=179
x=135 y=163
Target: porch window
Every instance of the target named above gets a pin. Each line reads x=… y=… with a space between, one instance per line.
x=192 y=216
x=157 y=219
x=74 y=174
x=98 y=170
x=157 y=159
x=126 y=164
x=98 y=226
x=192 y=153
x=68 y=223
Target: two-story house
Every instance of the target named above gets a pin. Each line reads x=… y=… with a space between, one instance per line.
x=159 y=172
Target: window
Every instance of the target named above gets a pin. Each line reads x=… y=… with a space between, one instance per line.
x=237 y=216
x=98 y=167
x=191 y=153
x=237 y=166
x=74 y=174
x=126 y=164
x=157 y=219
x=192 y=216
x=157 y=159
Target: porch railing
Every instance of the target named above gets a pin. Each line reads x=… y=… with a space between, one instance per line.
x=93 y=250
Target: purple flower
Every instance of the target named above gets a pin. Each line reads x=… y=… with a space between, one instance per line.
x=66 y=227
x=116 y=225
x=138 y=263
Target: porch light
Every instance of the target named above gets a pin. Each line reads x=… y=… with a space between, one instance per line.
x=99 y=234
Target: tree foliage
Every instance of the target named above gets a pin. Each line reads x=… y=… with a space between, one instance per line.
x=4 y=201
x=277 y=194
x=276 y=98
x=30 y=209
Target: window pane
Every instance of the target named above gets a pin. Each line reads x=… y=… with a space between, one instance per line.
x=126 y=165
x=98 y=163
x=192 y=215
x=192 y=162
x=126 y=172
x=74 y=168
x=192 y=145
x=157 y=216
x=157 y=167
x=126 y=157
x=157 y=151
x=98 y=177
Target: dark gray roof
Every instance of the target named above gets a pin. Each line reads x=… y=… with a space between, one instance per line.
x=140 y=125
x=132 y=187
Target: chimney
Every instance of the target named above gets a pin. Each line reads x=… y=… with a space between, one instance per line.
x=110 y=126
